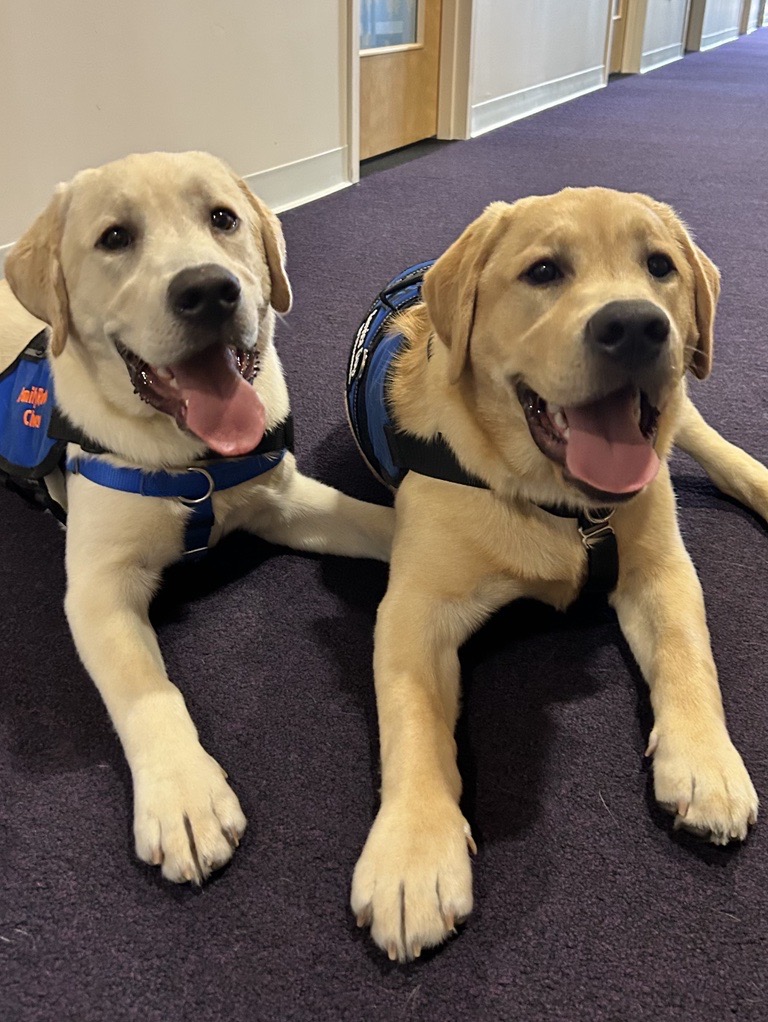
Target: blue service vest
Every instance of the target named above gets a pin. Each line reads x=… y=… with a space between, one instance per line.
x=368 y=373
x=27 y=408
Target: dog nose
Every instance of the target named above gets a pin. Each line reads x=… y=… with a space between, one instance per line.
x=631 y=332
x=204 y=295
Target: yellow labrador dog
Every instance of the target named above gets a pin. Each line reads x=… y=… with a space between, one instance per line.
x=549 y=353
x=160 y=276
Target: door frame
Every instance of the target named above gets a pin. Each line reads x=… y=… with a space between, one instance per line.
x=453 y=106
x=746 y=10
x=634 y=33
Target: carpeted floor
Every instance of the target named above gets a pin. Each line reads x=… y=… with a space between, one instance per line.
x=588 y=908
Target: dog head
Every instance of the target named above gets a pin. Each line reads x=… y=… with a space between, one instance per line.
x=162 y=269
x=570 y=321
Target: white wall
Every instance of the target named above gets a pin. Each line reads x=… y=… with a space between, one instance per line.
x=664 y=35
x=722 y=19
x=261 y=83
x=713 y=22
x=530 y=54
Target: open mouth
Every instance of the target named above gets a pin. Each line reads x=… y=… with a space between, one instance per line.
x=209 y=395
x=605 y=447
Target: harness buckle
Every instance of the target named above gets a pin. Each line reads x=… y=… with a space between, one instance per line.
x=191 y=501
x=596 y=531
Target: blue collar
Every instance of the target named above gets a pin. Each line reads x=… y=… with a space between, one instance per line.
x=193 y=487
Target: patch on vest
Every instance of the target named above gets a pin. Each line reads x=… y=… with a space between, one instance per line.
x=26 y=406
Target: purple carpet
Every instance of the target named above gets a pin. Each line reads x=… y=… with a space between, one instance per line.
x=587 y=907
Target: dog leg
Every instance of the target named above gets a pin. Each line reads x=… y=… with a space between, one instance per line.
x=308 y=515
x=730 y=469
x=413 y=881
x=699 y=775
x=186 y=817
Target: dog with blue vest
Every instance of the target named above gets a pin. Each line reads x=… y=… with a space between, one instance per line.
x=521 y=395
x=141 y=397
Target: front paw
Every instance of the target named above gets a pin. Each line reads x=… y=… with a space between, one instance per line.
x=413 y=881
x=703 y=782
x=187 y=819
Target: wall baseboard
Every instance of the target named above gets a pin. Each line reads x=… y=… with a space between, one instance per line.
x=663 y=55
x=4 y=250
x=293 y=184
x=302 y=181
x=708 y=42
x=494 y=113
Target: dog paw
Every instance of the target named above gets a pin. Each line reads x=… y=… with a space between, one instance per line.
x=704 y=784
x=413 y=881
x=187 y=819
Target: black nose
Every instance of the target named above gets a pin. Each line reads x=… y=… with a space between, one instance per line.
x=204 y=295
x=632 y=333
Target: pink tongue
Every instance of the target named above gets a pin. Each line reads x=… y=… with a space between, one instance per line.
x=221 y=408
x=606 y=448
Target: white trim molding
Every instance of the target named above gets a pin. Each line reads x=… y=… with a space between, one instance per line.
x=453 y=106
x=295 y=183
x=353 y=91
x=494 y=113
x=727 y=35
x=284 y=187
x=664 y=55
x=4 y=250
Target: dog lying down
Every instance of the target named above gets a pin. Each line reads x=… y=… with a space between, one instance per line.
x=160 y=276
x=534 y=386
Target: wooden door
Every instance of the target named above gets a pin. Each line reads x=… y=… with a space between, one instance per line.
x=617 y=39
x=399 y=69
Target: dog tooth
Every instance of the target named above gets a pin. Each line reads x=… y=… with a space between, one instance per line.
x=559 y=419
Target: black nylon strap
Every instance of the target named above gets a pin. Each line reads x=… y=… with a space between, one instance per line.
x=429 y=458
x=62 y=428
x=598 y=537
x=435 y=458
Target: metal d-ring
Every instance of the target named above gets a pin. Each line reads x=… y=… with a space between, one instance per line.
x=597 y=530
x=211 y=487
x=589 y=514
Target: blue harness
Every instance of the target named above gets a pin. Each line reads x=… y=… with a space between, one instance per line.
x=34 y=436
x=391 y=453
x=373 y=351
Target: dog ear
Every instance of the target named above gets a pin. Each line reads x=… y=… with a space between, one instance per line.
x=706 y=277
x=450 y=285
x=274 y=246
x=33 y=270
x=707 y=283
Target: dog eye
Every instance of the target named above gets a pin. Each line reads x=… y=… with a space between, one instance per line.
x=224 y=220
x=115 y=238
x=660 y=265
x=543 y=272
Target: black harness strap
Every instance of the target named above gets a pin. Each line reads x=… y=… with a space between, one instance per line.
x=435 y=458
x=429 y=458
x=599 y=541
